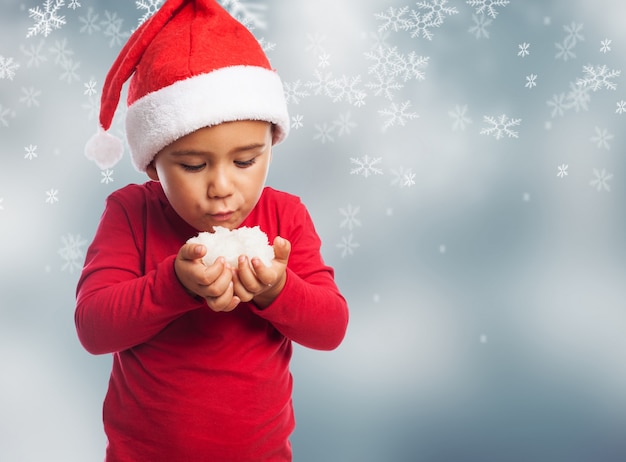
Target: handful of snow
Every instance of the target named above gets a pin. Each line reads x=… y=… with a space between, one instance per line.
x=223 y=242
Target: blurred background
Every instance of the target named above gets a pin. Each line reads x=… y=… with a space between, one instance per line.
x=464 y=163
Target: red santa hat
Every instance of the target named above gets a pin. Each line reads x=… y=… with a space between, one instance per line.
x=191 y=65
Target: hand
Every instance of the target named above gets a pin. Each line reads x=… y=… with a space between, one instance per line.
x=254 y=281
x=214 y=283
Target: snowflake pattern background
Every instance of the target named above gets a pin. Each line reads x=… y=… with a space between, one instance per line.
x=464 y=163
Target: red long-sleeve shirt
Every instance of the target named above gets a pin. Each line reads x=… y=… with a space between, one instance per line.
x=187 y=383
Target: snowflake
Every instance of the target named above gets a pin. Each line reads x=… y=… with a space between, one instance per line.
x=4 y=113
x=421 y=25
x=500 y=126
x=600 y=182
x=523 y=49
x=324 y=60
x=344 y=124
x=574 y=34
x=459 y=117
x=403 y=178
x=107 y=176
x=324 y=133
x=31 y=152
x=90 y=88
x=578 y=97
x=531 y=81
x=150 y=7
x=51 y=196
x=72 y=252
x=437 y=9
x=385 y=86
x=1 y=203
x=69 y=73
x=621 y=107
x=296 y=121
x=605 y=46
x=479 y=29
x=7 y=68
x=347 y=89
x=602 y=138
x=90 y=22
x=562 y=171
x=74 y=4
x=558 y=105
x=61 y=52
x=487 y=6
x=397 y=114
x=411 y=67
x=598 y=77
x=34 y=54
x=315 y=44
x=565 y=51
x=30 y=96
x=250 y=14
x=46 y=21
x=347 y=245
x=293 y=92
x=366 y=166
x=323 y=83
x=392 y=19
x=350 y=220
x=115 y=33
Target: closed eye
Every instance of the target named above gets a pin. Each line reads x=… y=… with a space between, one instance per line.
x=245 y=163
x=192 y=168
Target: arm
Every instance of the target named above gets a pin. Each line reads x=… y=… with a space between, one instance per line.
x=118 y=306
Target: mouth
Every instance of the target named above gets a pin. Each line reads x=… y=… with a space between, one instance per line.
x=222 y=216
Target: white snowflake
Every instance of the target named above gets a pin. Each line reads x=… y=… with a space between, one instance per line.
x=565 y=50
x=487 y=7
x=4 y=113
x=392 y=19
x=349 y=217
x=366 y=166
x=1 y=203
x=324 y=60
x=293 y=93
x=47 y=20
x=531 y=81
x=347 y=245
x=89 y=22
x=601 y=180
x=397 y=114
x=150 y=7
x=437 y=9
x=578 y=97
x=573 y=34
x=347 y=89
x=402 y=177
x=421 y=25
x=523 y=49
x=621 y=107
x=459 y=117
x=296 y=121
x=31 y=152
x=479 y=29
x=7 y=68
x=69 y=73
x=322 y=84
x=90 y=88
x=324 y=133
x=61 y=52
x=500 y=126
x=384 y=86
x=562 y=171
x=344 y=124
x=52 y=196
x=315 y=43
x=602 y=138
x=605 y=46
x=107 y=176
x=599 y=77
x=558 y=104
x=34 y=54
x=30 y=97
x=74 y=4
x=72 y=252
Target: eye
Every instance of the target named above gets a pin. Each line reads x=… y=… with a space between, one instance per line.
x=245 y=163
x=192 y=168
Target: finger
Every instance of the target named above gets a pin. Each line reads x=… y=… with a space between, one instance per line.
x=217 y=283
x=240 y=289
x=247 y=275
x=224 y=302
x=192 y=251
x=282 y=249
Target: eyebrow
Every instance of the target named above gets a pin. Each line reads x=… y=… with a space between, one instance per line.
x=194 y=152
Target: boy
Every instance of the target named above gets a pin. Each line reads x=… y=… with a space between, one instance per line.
x=200 y=353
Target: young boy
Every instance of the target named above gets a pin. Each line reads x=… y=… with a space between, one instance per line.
x=200 y=353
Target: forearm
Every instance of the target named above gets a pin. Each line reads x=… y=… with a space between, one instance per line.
x=311 y=313
x=116 y=316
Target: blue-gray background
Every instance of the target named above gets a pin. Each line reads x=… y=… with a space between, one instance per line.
x=486 y=275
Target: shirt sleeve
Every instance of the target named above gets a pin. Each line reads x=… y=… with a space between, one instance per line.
x=310 y=310
x=117 y=305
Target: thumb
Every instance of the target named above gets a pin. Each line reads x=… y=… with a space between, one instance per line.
x=282 y=249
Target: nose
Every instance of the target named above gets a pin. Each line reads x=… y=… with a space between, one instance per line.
x=220 y=184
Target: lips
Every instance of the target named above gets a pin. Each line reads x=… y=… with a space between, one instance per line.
x=222 y=216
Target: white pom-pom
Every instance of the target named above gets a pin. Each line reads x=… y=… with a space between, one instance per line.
x=104 y=149
x=251 y=242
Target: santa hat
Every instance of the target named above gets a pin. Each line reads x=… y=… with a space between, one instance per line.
x=191 y=65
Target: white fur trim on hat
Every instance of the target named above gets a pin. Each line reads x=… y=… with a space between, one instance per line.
x=223 y=95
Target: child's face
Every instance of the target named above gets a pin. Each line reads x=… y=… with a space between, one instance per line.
x=215 y=175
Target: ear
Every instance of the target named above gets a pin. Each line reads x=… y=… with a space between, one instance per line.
x=152 y=171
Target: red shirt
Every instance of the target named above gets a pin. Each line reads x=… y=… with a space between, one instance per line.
x=187 y=383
